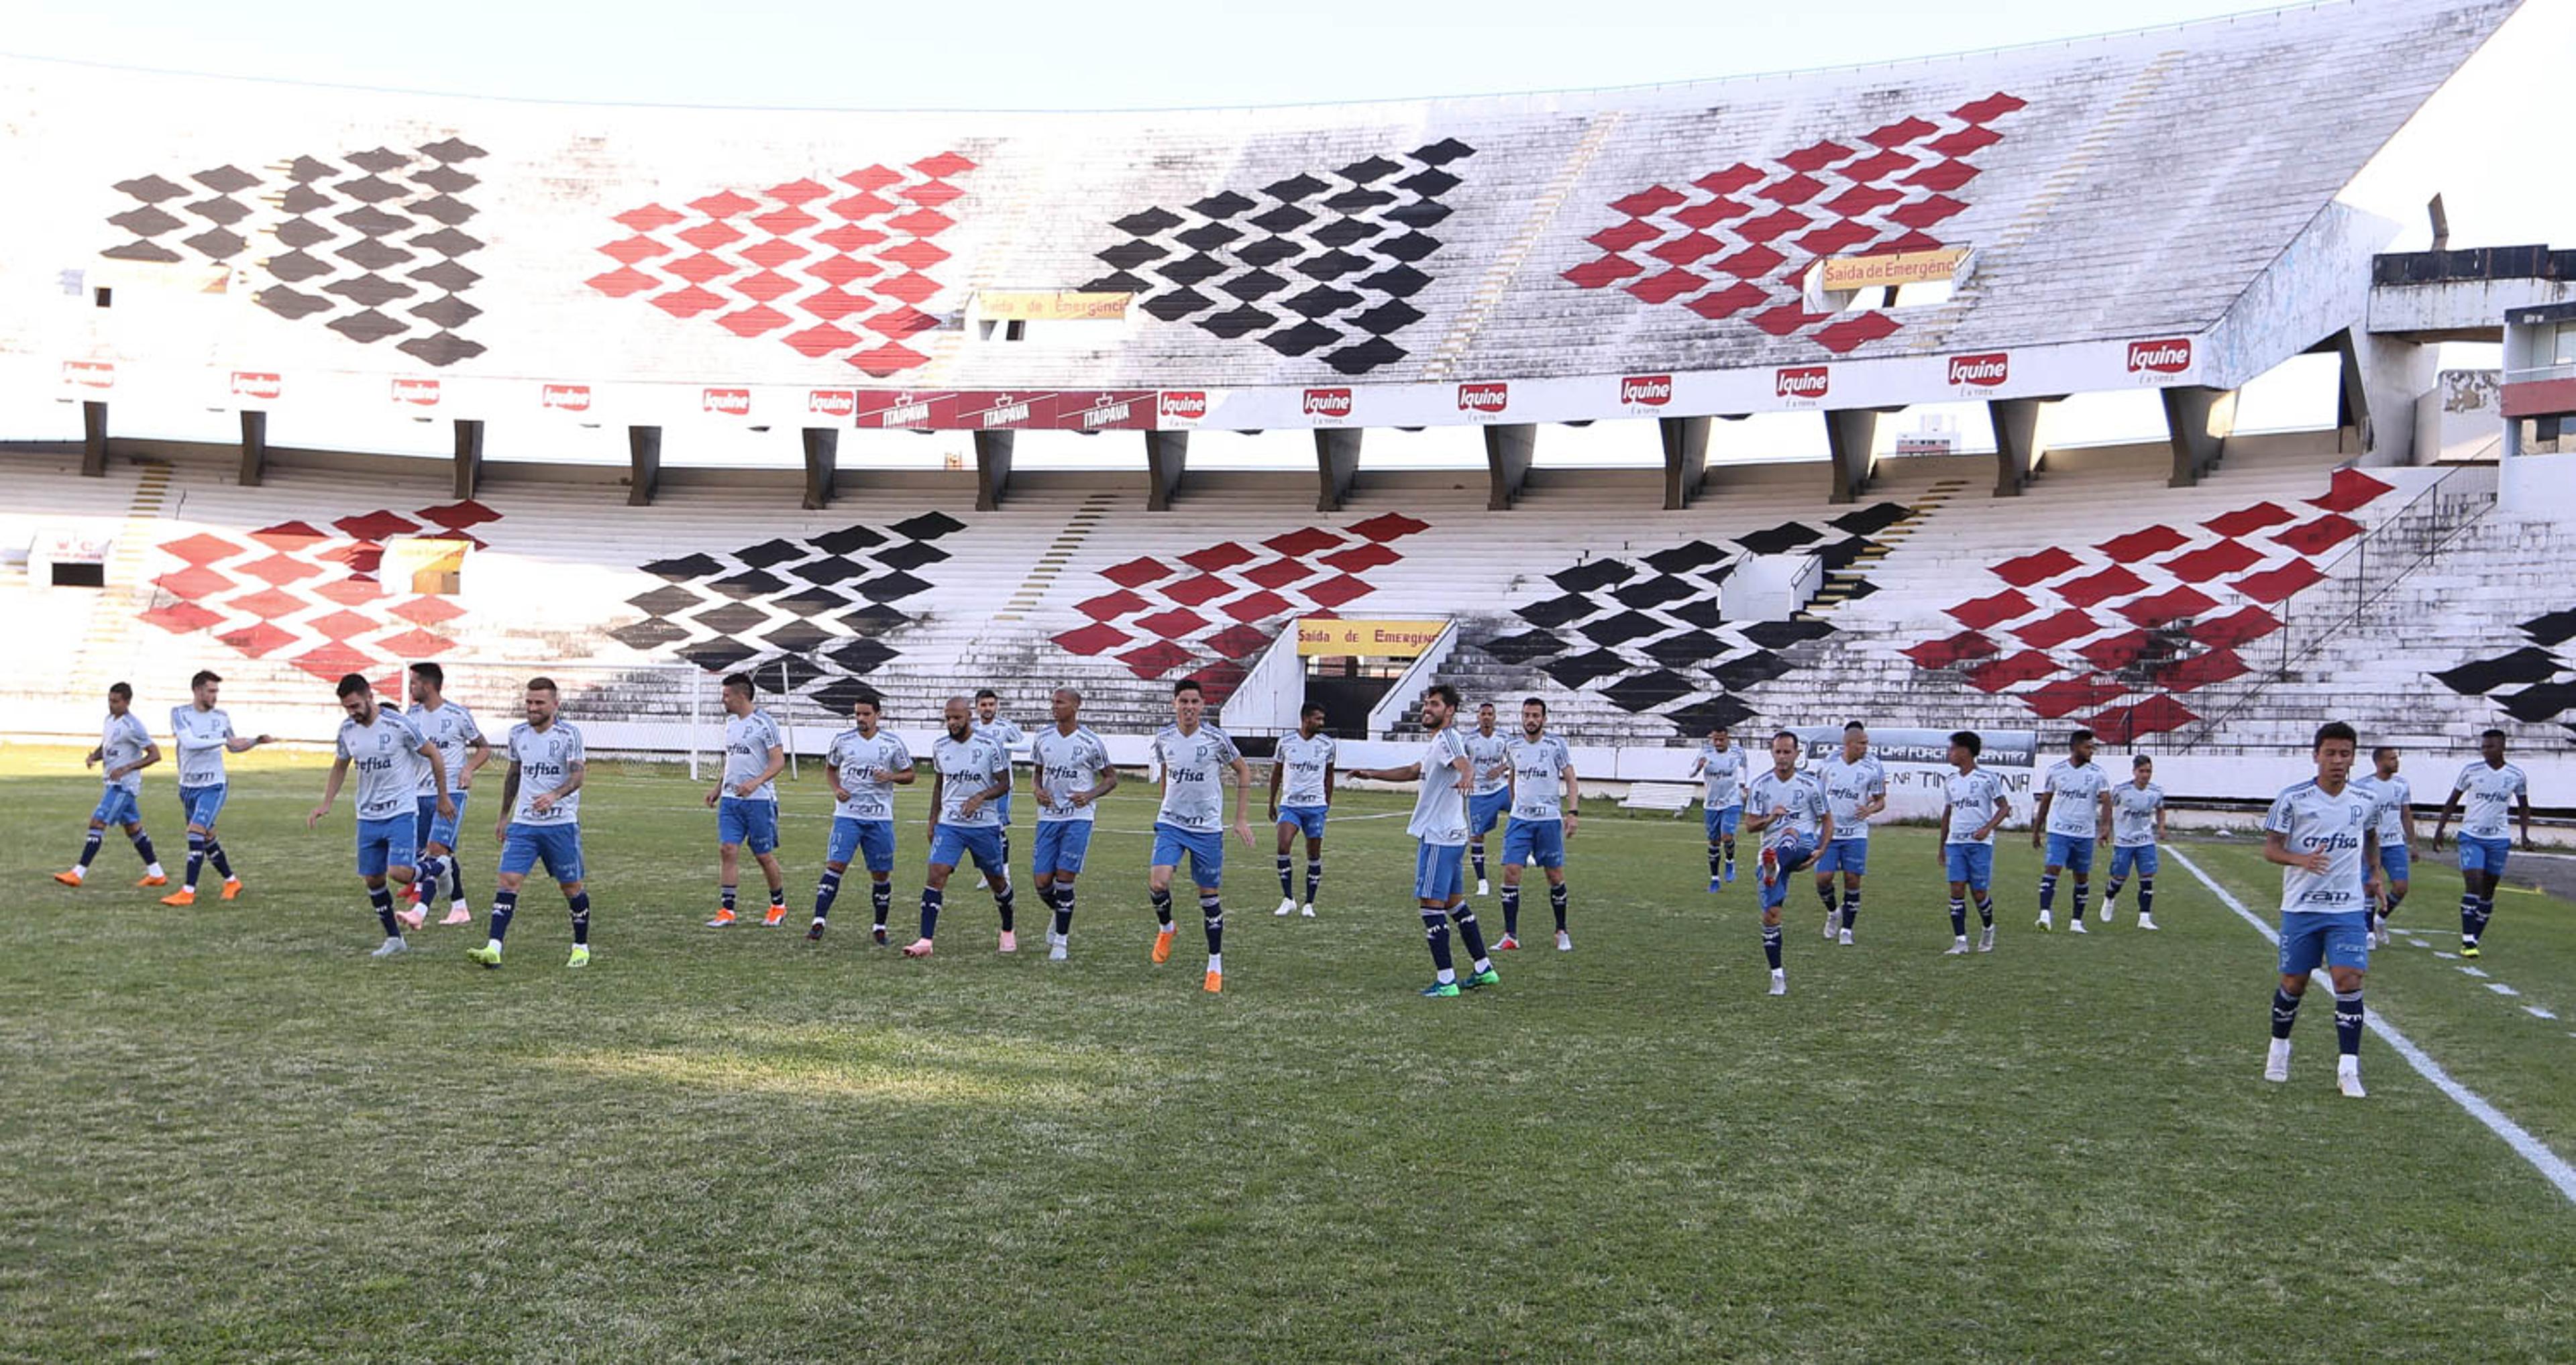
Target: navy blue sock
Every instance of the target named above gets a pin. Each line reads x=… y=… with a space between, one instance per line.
x=932 y=898
x=827 y=889
x=2469 y=917
x=381 y=900
x=579 y=902
x=2285 y=1012
x=725 y=895
x=1477 y=852
x=1212 y=913
x=1435 y=931
x=1716 y=861
x=143 y=847
x=2111 y=889
x=455 y=881
x=89 y=850
x=1511 y=911
x=2147 y=896
x=778 y=896
x=881 y=899
x=1556 y=902
x=1771 y=944
x=1003 y=901
x=196 y=859
x=1959 y=916
x=1825 y=893
x=1471 y=936
x=2083 y=889
x=2348 y=1023
x=1985 y=909
x=2047 y=890
x=2486 y=912
x=1162 y=906
x=1314 y=878
x=1063 y=909
x=505 y=903
x=425 y=874
x=1287 y=876
x=1727 y=843
x=215 y=855
x=1851 y=906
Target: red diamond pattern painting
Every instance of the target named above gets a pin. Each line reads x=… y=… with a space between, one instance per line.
x=830 y=266
x=1733 y=241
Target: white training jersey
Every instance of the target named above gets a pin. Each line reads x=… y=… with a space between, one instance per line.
x=1493 y=770
x=199 y=737
x=2076 y=811
x=1194 y=777
x=2310 y=820
x=451 y=727
x=853 y=756
x=965 y=767
x=2133 y=814
x=387 y=757
x=1799 y=800
x=2486 y=799
x=1001 y=730
x=1848 y=787
x=1723 y=771
x=1302 y=764
x=1068 y=764
x=2394 y=796
x=1538 y=784
x=1440 y=807
x=1974 y=798
x=121 y=741
x=545 y=758
x=748 y=740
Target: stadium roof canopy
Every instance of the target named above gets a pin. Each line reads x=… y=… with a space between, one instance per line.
x=2158 y=208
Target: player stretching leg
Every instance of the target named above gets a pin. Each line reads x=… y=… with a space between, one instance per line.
x=1195 y=759
x=541 y=820
x=202 y=734
x=2491 y=784
x=1069 y=772
x=1489 y=796
x=2072 y=801
x=1974 y=806
x=2321 y=833
x=1788 y=808
x=989 y=723
x=2396 y=836
x=863 y=766
x=745 y=801
x=463 y=749
x=1301 y=797
x=1545 y=798
x=1721 y=766
x=967 y=771
x=388 y=753
x=2137 y=827
x=124 y=750
x=1439 y=829
x=1856 y=789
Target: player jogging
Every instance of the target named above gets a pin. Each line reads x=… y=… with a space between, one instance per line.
x=1489 y=796
x=2396 y=836
x=2137 y=827
x=124 y=750
x=1545 y=802
x=745 y=801
x=864 y=766
x=1856 y=788
x=541 y=820
x=1069 y=771
x=1974 y=805
x=1195 y=759
x=387 y=752
x=967 y=771
x=1439 y=829
x=464 y=751
x=2073 y=800
x=1721 y=767
x=202 y=734
x=2491 y=786
x=1301 y=797
x=989 y=723
x=2321 y=833
x=1790 y=810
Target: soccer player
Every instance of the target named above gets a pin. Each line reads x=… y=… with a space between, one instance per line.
x=203 y=734
x=1790 y=809
x=1489 y=797
x=1069 y=771
x=2137 y=827
x=864 y=766
x=2396 y=835
x=1974 y=805
x=2074 y=805
x=388 y=752
x=1439 y=829
x=2320 y=832
x=1195 y=758
x=967 y=772
x=1856 y=788
x=745 y=801
x=988 y=721
x=2491 y=784
x=541 y=805
x=1301 y=796
x=124 y=750
x=1545 y=810
x=464 y=751
x=1721 y=766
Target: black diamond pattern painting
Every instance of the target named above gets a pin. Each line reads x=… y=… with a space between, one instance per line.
x=372 y=242
x=1226 y=263
x=2533 y=685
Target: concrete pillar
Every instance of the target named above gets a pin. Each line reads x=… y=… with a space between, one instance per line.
x=469 y=455
x=1166 y=456
x=93 y=440
x=2017 y=447
x=1685 y=458
x=2198 y=421
x=254 y=448
x=992 y=468
x=643 y=464
x=822 y=457
x=2382 y=379
x=1337 y=466
x=1508 y=452
x=1849 y=434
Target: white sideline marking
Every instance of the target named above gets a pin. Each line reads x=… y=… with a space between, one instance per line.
x=2502 y=989
x=2552 y=1167
x=2471 y=971
x=2537 y=1012
x=2446 y=957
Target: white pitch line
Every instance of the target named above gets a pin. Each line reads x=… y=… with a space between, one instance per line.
x=2552 y=1167
x=2537 y=1012
x=2472 y=971
x=2502 y=989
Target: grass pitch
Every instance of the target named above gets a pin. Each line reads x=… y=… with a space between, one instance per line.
x=230 y=1136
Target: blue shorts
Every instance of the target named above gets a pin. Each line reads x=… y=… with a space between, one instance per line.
x=1207 y=852
x=2396 y=861
x=1438 y=871
x=1486 y=810
x=875 y=838
x=1793 y=852
x=1309 y=820
x=951 y=845
x=1061 y=847
x=2484 y=855
x=560 y=845
x=200 y=805
x=2143 y=857
x=117 y=806
x=1721 y=821
x=2341 y=939
x=1973 y=864
x=751 y=823
x=2074 y=852
x=431 y=829
x=1542 y=841
x=390 y=842
x=1844 y=855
